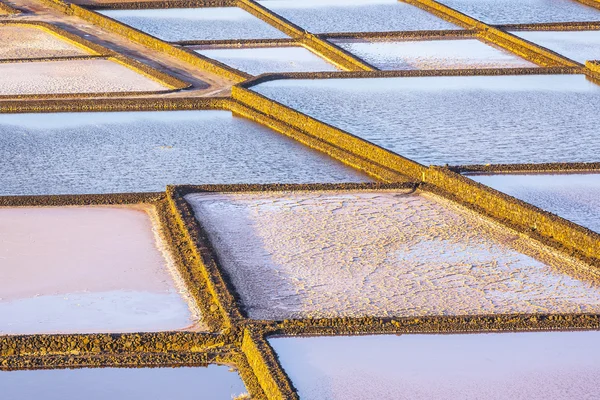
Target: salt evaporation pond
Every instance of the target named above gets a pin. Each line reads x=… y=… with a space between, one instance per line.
x=210 y=23
x=580 y=46
x=458 y=120
x=433 y=54
x=20 y=41
x=533 y=365
x=575 y=197
x=256 y=61
x=381 y=253
x=74 y=153
x=185 y=383
x=73 y=76
x=525 y=11
x=88 y=270
x=323 y=16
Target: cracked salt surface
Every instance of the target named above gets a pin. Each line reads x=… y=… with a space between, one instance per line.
x=332 y=254
x=433 y=54
x=31 y=42
x=533 y=365
x=86 y=270
x=525 y=11
x=258 y=61
x=458 y=120
x=575 y=197
x=114 y=152
x=74 y=76
x=580 y=46
x=184 y=383
x=323 y=16
x=214 y=23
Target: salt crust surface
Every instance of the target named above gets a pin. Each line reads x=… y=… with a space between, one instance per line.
x=577 y=45
x=322 y=16
x=258 y=61
x=185 y=383
x=117 y=152
x=300 y=255
x=75 y=76
x=213 y=23
x=433 y=54
x=87 y=269
x=458 y=120
x=29 y=42
x=516 y=366
x=525 y=11
x=575 y=197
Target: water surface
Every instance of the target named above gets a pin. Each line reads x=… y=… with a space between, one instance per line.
x=210 y=23
x=459 y=120
x=544 y=365
x=575 y=197
x=256 y=61
x=525 y=11
x=576 y=45
x=186 y=383
x=74 y=153
x=318 y=16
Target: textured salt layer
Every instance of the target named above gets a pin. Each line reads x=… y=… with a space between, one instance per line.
x=87 y=269
x=576 y=45
x=320 y=254
x=459 y=120
x=319 y=16
x=525 y=11
x=29 y=42
x=74 y=153
x=185 y=383
x=540 y=365
x=214 y=23
x=434 y=54
x=75 y=76
x=575 y=197
x=274 y=59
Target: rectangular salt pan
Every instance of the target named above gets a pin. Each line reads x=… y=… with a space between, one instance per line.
x=185 y=383
x=318 y=16
x=88 y=270
x=213 y=23
x=575 y=197
x=580 y=46
x=256 y=61
x=519 y=366
x=31 y=42
x=73 y=76
x=458 y=120
x=525 y=11
x=384 y=254
x=114 y=152
x=433 y=54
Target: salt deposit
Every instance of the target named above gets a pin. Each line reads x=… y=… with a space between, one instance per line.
x=29 y=42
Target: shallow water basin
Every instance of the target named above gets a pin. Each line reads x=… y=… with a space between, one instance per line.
x=88 y=270
x=458 y=120
x=525 y=11
x=575 y=197
x=256 y=61
x=381 y=253
x=115 y=152
x=540 y=365
x=185 y=383
x=211 y=23
x=580 y=46
x=433 y=54
x=323 y=16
